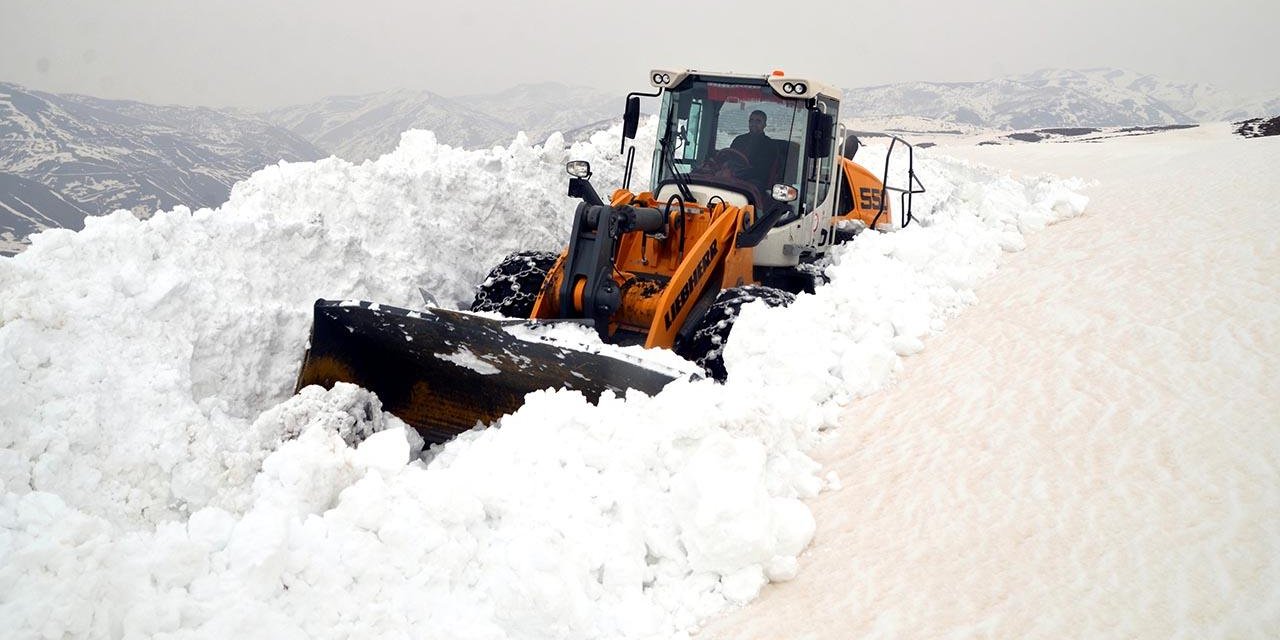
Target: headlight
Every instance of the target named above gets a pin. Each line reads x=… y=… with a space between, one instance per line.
x=792 y=87
x=666 y=79
x=784 y=193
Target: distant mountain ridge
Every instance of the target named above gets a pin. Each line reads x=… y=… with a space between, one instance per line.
x=95 y=156
x=364 y=127
x=1057 y=98
x=544 y=108
x=64 y=157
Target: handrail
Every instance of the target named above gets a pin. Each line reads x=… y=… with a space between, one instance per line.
x=904 y=195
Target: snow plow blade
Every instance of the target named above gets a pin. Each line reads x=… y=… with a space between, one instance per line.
x=444 y=372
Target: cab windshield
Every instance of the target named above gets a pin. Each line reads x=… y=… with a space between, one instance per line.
x=740 y=136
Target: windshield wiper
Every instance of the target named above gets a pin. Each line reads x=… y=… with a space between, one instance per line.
x=668 y=155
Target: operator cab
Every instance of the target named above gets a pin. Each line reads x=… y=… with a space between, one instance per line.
x=765 y=141
x=770 y=146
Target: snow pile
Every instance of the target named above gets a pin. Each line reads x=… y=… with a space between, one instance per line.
x=160 y=482
x=147 y=347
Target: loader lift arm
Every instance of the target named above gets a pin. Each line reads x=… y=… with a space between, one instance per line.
x=588 y=289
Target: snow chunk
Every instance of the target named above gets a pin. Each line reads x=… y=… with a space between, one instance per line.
x=467 y=360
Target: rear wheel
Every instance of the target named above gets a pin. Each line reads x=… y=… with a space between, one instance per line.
x=705 y=344
x=512 y=287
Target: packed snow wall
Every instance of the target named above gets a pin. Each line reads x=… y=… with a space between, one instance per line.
x=159 y=480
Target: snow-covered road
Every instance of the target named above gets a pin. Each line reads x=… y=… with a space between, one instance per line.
x=1091 y=451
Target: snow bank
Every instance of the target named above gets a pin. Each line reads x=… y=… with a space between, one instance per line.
x=1087 y=452
x=158 y=480
x=145 y=348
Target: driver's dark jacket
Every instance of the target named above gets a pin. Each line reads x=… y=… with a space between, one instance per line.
x=762 y=152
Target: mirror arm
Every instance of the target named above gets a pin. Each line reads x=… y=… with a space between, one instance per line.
x=582 y=188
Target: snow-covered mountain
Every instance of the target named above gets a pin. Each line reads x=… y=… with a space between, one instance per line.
x=1197 y=101
x=96 y=156
x=1057 y=98
x=28 y=207
x=544 y=108
x=364 y=127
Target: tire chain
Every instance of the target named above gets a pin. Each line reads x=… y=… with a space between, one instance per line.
x=512 y=287
x=705 y=346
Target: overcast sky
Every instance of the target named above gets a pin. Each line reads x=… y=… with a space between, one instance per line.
x=265 y=53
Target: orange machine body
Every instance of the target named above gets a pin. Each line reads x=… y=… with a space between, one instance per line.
x=662 y=275
x=862 y=197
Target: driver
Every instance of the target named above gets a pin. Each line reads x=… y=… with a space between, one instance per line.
x=760 y=149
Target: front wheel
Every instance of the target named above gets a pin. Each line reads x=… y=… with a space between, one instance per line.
x=705 y=344
x=513 y=286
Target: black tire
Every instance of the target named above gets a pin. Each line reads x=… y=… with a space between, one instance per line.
x=705 y=344
x=512 y=287
x=805 y=277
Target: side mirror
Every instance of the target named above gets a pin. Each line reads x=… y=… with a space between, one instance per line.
x=851 y=145
x=820 y=135
x=578 y=168
x=631 y=118
x=579 y=182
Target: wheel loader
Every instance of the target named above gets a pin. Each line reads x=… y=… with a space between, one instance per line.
x=753 y=182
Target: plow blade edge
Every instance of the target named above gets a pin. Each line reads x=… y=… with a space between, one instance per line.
x=445 y=371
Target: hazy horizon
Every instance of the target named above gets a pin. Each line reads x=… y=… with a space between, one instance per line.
x=262 y=56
